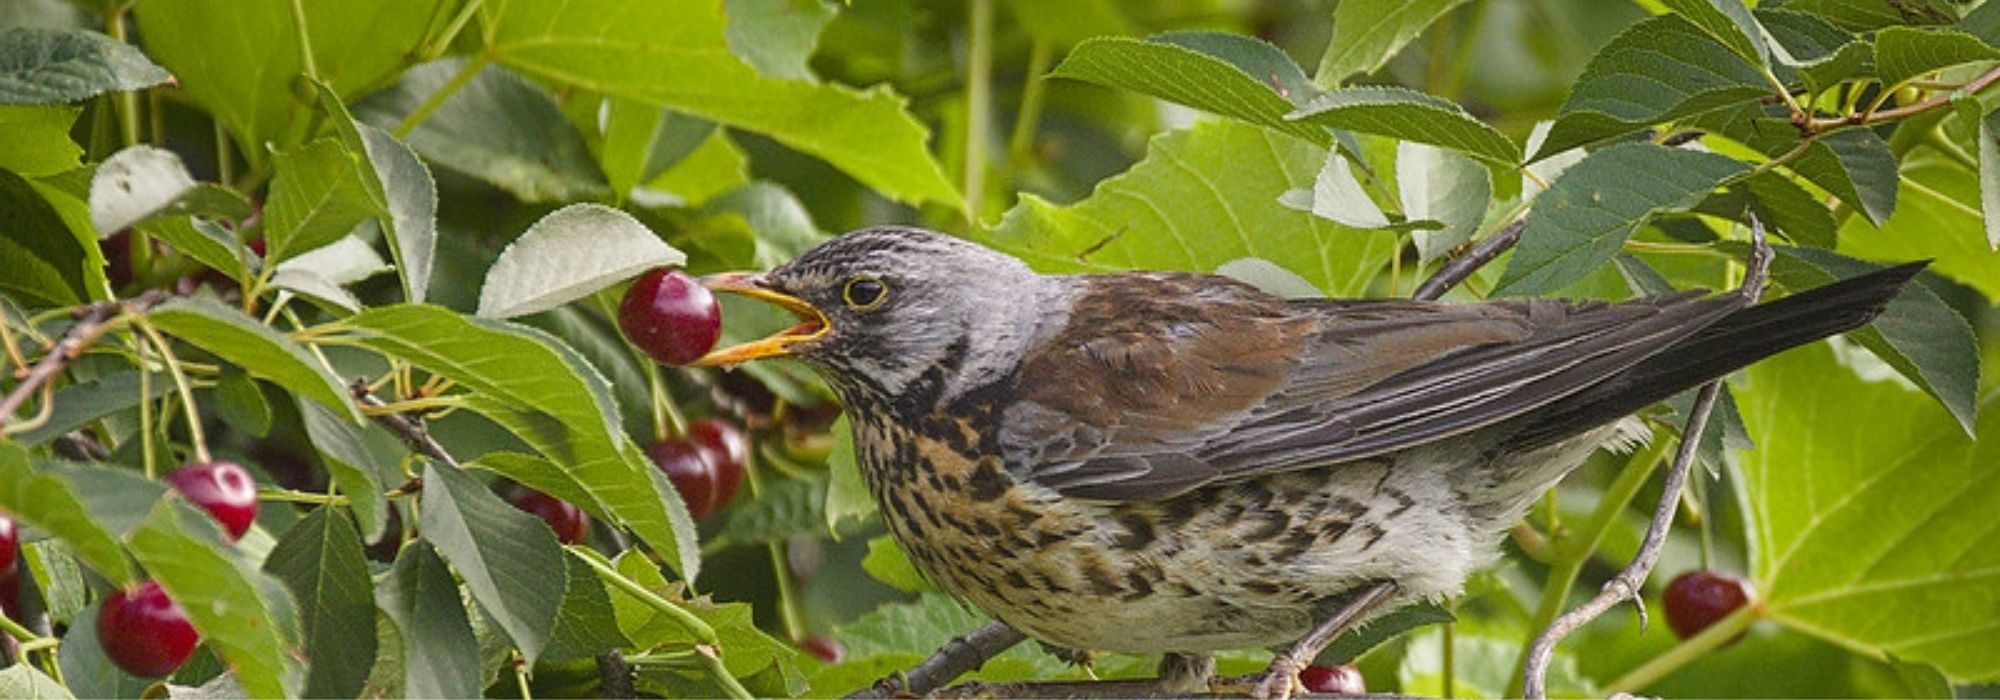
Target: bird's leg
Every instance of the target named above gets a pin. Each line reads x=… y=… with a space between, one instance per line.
x=1186 y=673
x=1281 y=678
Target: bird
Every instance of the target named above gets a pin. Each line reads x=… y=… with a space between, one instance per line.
x=1179 y=463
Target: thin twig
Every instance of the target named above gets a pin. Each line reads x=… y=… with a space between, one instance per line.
x=1626 y=585
x=956 y=658
x=1463 y=266
x=1982 y=82
x=89 y=327
x=410 y=431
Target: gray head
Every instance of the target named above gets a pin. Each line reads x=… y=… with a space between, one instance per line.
x=902 y=315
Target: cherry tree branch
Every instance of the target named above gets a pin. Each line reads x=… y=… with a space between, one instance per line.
x=1626 y=584
x=90 y=326
x=403 y=427
x=1464 y=265
x=956 y=658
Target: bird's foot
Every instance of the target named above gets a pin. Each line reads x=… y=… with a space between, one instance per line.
x=1279 y=681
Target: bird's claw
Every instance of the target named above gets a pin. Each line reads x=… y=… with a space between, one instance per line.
x=1279 y=681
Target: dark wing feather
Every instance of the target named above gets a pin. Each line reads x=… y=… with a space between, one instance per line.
x=1163 y=383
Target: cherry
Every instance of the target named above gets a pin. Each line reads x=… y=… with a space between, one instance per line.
x=223 y=489
x=691 y=472
x=825 y=649
x=1342 y=680
x=728 y=449
x=144 y=631
x=1697 y=599
x=10 y=545
x=670 y=316
x=570 y=524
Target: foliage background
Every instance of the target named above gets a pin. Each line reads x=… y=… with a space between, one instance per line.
x=388 y=152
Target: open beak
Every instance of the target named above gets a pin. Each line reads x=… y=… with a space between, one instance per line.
x=812 y=324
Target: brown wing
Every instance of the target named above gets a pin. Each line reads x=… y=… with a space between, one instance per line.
x=1163 y=383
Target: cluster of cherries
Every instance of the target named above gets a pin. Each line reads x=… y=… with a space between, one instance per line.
x=140 y=628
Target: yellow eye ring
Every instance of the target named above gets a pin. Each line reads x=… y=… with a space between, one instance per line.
x=864 y=293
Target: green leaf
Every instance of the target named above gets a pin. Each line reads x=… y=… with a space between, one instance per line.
x=1482 y=666
x=400 y=186
x=1411 y=116
x=1269 y=278
x=1438 y=185
x=44 y=66
x=1903 y=54
x=1922 y=338
x=1367 y=33
x=763 y=663
x=243 y=614
x=776 y=36
x=1211 y=72
x=58 y=578
x=549 y=397
x=1869 y=15
x=896 y=636
x=785 y=509
x=241 y=404
x=641 y=141
x=50 y=504
x=45 y=263
x=1854 y=165
x=25 y=682
x=207 y=243
x=492 y=544
x=34 y=139
x=81 y=403
x=1354 y=643
x=1873 y=534
x=675 y=54
x=440 y=653
x=88 y=671
x=715 y=166
x=847 y=497
x=586 y=624
x=499 y=128
x=1983 y=22
x=142 y=182
x=541 y=475
x=1063 y=23
x=1587 y=214
x=1659 y=70
x=1201 y=197
x=241 y=66
x=570 y=254
x=1937 y=218
x=889 y=564
x=316 y=198
x=265 y=353
x=1728 y=22
x=1814 y=48
x=1989 y=176
x=1791 y=210
x=1337 y=196
x=321 y=561
x=351 y=465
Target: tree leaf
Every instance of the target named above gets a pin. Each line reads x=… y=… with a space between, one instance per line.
x=83 y=402
x=58 y=579
x=675 y=54
x=570 y=254
x=1201 y=197
x=1854 y=165
x=243 y=614
x=440 y=654
x=1728 y=22
x=25 y=682
x=44 y=66
x=498 y=128
x=847 y=495
x=48 y=503
x=240 y=66
x=1337 y=196
x=1367 y=33
x=1791 y=209
x=1816 y=49
x=1937 y=218
x=1411 y=116
x=316 y=198
x=1268 y=277
x=1351 y=645
x=1064 y=23
x=141 y=182
x=1869 y=15
x=492 y=544
x=889 y=564
x=400 y=186
x=1587 y=215
x=1207 y=71
x=321 y=561
x=776 y=36
x=1659 y=70
x=550 y=398
x=45 y=264
x=207 y=243
x=88 y=671
x=351 y=465
x=586 y=624
x=1989 y=176
x=1925 y=340
x=785 y=509
x=1872 y=534
x=1442 y=186
x=241 y=404
x=1903 y=54
x=34 y=139
x=266 y=354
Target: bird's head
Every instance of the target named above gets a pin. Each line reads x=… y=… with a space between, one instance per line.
x=899 y=313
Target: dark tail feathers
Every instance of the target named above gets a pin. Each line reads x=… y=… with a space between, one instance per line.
x=1729 y=344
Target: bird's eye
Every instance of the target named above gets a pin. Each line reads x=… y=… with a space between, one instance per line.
x=864 y=293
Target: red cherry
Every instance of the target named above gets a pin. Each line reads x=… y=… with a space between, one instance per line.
x=10 y=596
x=670 y=316
x=223 y=489
x=825 y=649
x=1342 y=680
x=728 y=449
x=570 y=524
x=1697 y=599
x=10 y=545
x=144 y=632
x=691 y=472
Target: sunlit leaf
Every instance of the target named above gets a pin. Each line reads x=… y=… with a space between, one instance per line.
x=1230 y=75
x=43 y=66
x=142 y=182
x=34 y=139
x=1659 y=70
x=1367 y=33
x=1411 y=116
x=567 y=255
x=1906 y=53
x=266 y=354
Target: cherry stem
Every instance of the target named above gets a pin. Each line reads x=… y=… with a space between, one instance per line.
x=704 y=635
x=180 y=383
x=1687 y=651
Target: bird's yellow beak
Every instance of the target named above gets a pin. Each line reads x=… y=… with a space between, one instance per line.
x=812 y=324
